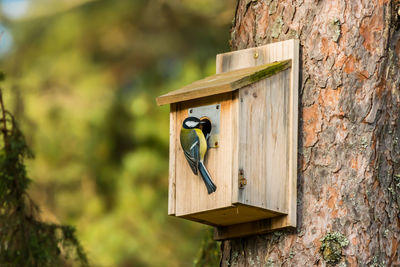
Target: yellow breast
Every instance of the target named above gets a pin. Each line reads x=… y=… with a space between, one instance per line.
x=203 y=143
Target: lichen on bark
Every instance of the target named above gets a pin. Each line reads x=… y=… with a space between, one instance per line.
x=331 y=247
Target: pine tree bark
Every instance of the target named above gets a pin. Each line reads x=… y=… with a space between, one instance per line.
x=349 y=151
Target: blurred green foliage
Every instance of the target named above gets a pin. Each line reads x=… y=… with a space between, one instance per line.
x=25 y=240
x=210 y=252
x=82 y=79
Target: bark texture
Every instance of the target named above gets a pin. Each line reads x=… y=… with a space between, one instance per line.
x=349 y=151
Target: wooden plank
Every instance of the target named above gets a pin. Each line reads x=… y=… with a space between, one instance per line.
x=263 y=120
x=191 y=193
x=232 y=215
x=250 y=228
x=224 y=82
x=172 y=161
x=293 y=49
x=258 y=56
x=235 y=147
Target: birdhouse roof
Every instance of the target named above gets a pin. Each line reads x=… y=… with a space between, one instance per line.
x=224 y=82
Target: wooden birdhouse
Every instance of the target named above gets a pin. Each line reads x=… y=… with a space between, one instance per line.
x=252 y=105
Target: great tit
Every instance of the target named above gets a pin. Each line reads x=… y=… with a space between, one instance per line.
x=194 y=146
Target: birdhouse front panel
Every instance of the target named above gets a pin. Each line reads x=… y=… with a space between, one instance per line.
x=191 y=194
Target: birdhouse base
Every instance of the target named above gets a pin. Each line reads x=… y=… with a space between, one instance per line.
x=237 y=214
x=251 y=228
x=241 y=220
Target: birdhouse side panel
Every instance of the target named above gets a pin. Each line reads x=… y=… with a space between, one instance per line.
x=263 y=142
x=191 y=193
x=172 y=159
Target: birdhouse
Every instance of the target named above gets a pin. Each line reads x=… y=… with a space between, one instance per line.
x=251 y=105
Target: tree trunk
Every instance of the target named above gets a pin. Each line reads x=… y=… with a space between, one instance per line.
x=349 y=151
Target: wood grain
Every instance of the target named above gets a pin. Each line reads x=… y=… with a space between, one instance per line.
x=232 y=215
x=223 y=82
x=235 y=147
x=191 y=193
x=258 y=133
x=254 y=57
x=248 y=228
x=172 y=158
x=263 y=142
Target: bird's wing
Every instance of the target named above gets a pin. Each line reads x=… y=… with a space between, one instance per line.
x=192 y=153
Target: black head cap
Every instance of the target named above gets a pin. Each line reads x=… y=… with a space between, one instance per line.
x=191 y=123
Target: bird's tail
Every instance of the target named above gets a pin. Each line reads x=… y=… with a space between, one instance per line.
x=206 y=178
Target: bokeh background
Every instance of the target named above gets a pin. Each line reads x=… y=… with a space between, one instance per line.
x=81 y=78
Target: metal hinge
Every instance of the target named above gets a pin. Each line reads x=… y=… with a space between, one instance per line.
x=242 y=180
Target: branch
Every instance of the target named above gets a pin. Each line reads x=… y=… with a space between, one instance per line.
x=3 y=114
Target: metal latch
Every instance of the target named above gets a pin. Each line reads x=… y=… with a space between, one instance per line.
x=242 y=180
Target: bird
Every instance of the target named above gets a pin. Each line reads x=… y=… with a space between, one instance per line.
x=194 y=146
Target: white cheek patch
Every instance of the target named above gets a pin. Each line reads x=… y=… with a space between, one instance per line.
x=191 y=124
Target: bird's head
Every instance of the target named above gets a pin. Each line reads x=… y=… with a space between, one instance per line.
x=191 y=123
